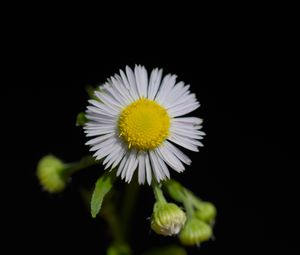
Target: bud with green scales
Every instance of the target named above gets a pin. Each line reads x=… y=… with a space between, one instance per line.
x=195 y=232
x=49 y=173
x=167 y=219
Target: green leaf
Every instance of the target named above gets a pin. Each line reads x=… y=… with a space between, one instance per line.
x=102 y=187
x=81 y=119
x=172 y=249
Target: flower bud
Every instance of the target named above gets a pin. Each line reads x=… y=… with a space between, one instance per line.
x=167 y=219
x=206 y=212
x=195 y=232
x=49 y=173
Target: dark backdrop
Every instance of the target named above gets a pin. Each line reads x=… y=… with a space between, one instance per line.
x=243 y=77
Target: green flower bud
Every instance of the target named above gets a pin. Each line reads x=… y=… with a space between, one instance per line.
x=167 y=219
x=195 y=232
x=49 y=173
x=206 y=212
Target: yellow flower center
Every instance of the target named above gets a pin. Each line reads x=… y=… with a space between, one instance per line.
x=144 y=124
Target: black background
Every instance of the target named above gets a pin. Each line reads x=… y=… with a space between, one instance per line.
x=243 y=73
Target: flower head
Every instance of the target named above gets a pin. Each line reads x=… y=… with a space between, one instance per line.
x=49 y=173
x=136 y=121
x=167 y=219
x=195 y=232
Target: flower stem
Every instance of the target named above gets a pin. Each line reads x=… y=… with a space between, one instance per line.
x=130 y=198
x=159 y=196
x=85 y=162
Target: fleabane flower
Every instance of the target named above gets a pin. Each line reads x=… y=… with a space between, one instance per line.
x=137 y=122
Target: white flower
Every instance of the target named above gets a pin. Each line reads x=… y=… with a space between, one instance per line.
x=137 y=121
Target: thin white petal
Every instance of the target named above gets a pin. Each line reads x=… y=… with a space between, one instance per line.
x=154 y=82
x=104 y=144
x=170 y=159
x=178 y=153
x=107 y=99
x=188 y=120
x=185 y=142
x=158 y=172
x=148 y=169
x=99 y=139
x=162 y=164
x=165 y=88
x=132 y=167
x=123 y=162
x=180 y=110
x=142 y=167
x=103 y=152
x=132 y=83
x=141 y=78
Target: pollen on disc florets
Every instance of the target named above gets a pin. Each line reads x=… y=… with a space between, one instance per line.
x=144 y=124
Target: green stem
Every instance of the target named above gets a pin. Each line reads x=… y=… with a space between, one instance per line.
x=159 y=196
x=131 y=194
x=114 y=224
x=188 y=204
x=85 y=162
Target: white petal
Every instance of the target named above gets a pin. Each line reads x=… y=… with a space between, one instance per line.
x=119 y=157
x=165 y=88
x=158 y=172
x=123 y=162
x=99 y=139
x=142 y=167
x=170 y=159
x=104 y=107
x=98 y=132
x=132 y=83
x=154 y=82
x=179 y=91
x=111 y=158
x=103 y=152
x=148 y=169
x=141 y=78
x=131 y=167
x=178 y=153
x=180 y=110
x=185 y=142
x=102 y=126
x=183 y=100
x=104 y=144
x=112 y=89
x=108 y=100
x=188 y=120
x=162 y=165
x=123 y=90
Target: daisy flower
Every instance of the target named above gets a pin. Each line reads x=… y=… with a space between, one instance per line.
x=137 y=122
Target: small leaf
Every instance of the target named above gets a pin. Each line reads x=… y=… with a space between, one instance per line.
x=81 y=119
x=102 y=187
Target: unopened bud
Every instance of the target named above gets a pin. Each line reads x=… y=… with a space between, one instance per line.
x=49 y=173
x=195 y=232
x=167 y=219
x=206 y=212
